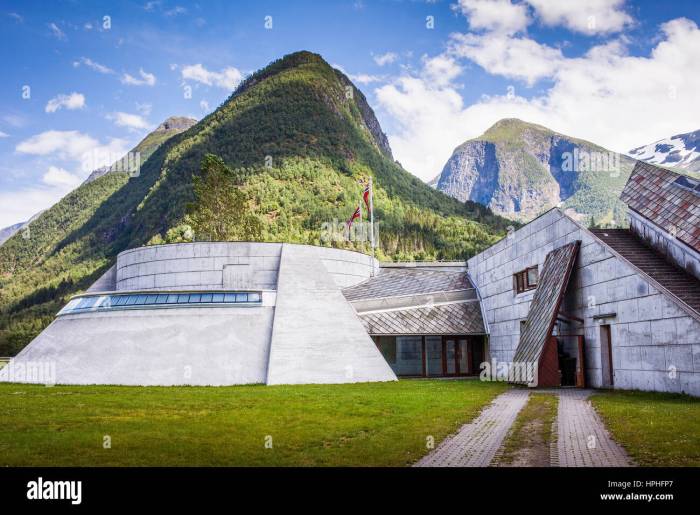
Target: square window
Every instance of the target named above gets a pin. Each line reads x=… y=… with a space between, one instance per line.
x=217 y=297
x=230 y=297
x=254 y=297
x=195 y=298
x=183 y=298
x=206 y=297
x=532 y=276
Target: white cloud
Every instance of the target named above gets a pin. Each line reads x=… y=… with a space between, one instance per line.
x=4 y=135
x=72 y=101
x=56 y=176
x=65 y=144
x=441 y=69
x=514 y=57
x=606 y=96
x=228 y=78
x=132 y=121
x=147 y=79
x=150 y=6
x=495 y=15
x=101 y=68
x=588 y=17
x=57 y=32
x=74 y=146
x=386 y=58
x=364 y=78
x=17 y=17
x=175 y=11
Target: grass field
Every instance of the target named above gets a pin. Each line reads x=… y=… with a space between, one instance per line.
x=378 y=424
x=656 y=429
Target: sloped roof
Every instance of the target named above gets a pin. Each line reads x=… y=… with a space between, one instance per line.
x=407 y=281
x=545 y=302
x=683 y=286
x=668 y=199
x=454 y=318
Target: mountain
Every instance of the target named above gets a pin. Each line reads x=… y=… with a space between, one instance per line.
x=169 y=128
x=680 y=152
x=9 y=231
x=520 y=170
x=297 y=135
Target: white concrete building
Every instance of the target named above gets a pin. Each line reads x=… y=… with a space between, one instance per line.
x=634 y=312
x=610 y=308
x=213 y=314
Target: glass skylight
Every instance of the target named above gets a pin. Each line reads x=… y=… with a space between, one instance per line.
x=119 y=301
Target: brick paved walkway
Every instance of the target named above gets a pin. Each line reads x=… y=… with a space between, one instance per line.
x=582 y=440
x=476 y=443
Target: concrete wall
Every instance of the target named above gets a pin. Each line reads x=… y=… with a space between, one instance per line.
x=188 y=346
x=199 y=265
x=665 y=243
x=232 y=265
x=317 y=337
x=656 y=345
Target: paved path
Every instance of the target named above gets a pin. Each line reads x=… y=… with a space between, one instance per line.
x=582 y=440
x=476 y=443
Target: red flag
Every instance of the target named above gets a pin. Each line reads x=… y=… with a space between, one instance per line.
x=354 y=216
x=365 y=196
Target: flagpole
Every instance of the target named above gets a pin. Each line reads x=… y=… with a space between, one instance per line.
x=371 y=217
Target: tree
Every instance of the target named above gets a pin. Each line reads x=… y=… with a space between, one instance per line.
x=220 y=210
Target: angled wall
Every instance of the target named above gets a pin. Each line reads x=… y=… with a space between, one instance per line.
x=316 y=336
x=164 y=347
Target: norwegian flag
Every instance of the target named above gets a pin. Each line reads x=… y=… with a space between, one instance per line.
x=354 y=216
x=365 y=196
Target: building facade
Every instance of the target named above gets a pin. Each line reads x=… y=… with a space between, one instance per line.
x=610 y=308
x=213 y=314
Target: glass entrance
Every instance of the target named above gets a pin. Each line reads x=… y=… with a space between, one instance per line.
x=432 y=355
x=456 y=356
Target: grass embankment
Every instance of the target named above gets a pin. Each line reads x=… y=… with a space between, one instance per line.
x=528 y=441
x=377 y=424
x=656 y=429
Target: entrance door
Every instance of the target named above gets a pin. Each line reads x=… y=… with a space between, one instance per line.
x=450 y=357
x=456 y=356
x=606 y=357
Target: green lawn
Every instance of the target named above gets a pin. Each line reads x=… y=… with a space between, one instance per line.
x=656 y=429
x=379 y=424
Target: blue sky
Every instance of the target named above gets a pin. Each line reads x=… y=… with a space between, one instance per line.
x=78 y=86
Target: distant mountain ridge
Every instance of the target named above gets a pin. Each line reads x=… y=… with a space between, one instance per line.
x=680 y=152
x=169 y=128
x=7 y=232
x=520 y=169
